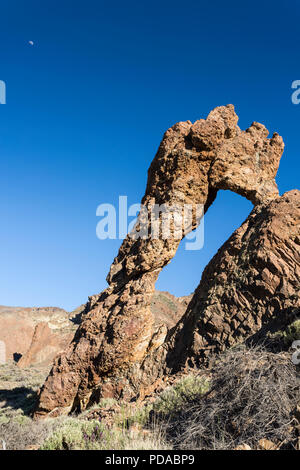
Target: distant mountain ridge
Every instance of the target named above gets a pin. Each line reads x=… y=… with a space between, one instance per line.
x=18 y=325
x=34 y=336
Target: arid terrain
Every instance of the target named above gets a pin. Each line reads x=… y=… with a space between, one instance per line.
x=135 y=368
x=248 y=399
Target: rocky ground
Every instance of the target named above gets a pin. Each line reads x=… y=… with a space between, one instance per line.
x=248 y=398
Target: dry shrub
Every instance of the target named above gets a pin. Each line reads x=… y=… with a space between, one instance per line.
x=22 y=433
x=18 y=393
x=252 y=396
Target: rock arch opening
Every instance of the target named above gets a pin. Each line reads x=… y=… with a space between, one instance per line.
x=181 y=276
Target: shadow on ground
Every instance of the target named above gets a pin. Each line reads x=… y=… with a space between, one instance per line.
x=23 y=398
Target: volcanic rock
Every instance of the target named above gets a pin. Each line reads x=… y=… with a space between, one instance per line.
x=34 y=336
x=118 y=330
x=250 y=287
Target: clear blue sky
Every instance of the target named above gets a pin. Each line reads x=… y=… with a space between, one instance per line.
x=87 y=106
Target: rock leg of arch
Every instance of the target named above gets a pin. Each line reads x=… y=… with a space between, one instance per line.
x=251 y=286
x=193 y=162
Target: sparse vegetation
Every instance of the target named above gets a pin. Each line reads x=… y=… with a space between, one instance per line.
x=79 y=434
x=250 y=396
x=18 y=392
x=174 y=398
x=289 y=334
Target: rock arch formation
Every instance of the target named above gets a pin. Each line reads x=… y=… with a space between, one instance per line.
x=116 y=348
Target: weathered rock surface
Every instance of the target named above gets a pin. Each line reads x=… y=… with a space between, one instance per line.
x=250 y=286
x=118 y=329
x=168 y=309
x=34 y=336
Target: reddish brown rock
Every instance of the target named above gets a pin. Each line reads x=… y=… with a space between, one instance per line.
x=250 y=286
x=34 y=336
x=168 y=309
x=45 y=345
x=118 y=331
x=17 y=326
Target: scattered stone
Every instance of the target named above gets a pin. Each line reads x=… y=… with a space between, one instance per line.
x=265 y=444
x=243 y=447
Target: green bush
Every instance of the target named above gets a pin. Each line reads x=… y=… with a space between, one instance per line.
x=78 y=434
x=185 y=390
x=75 y=434
x=292 y=333
x=289 y=334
